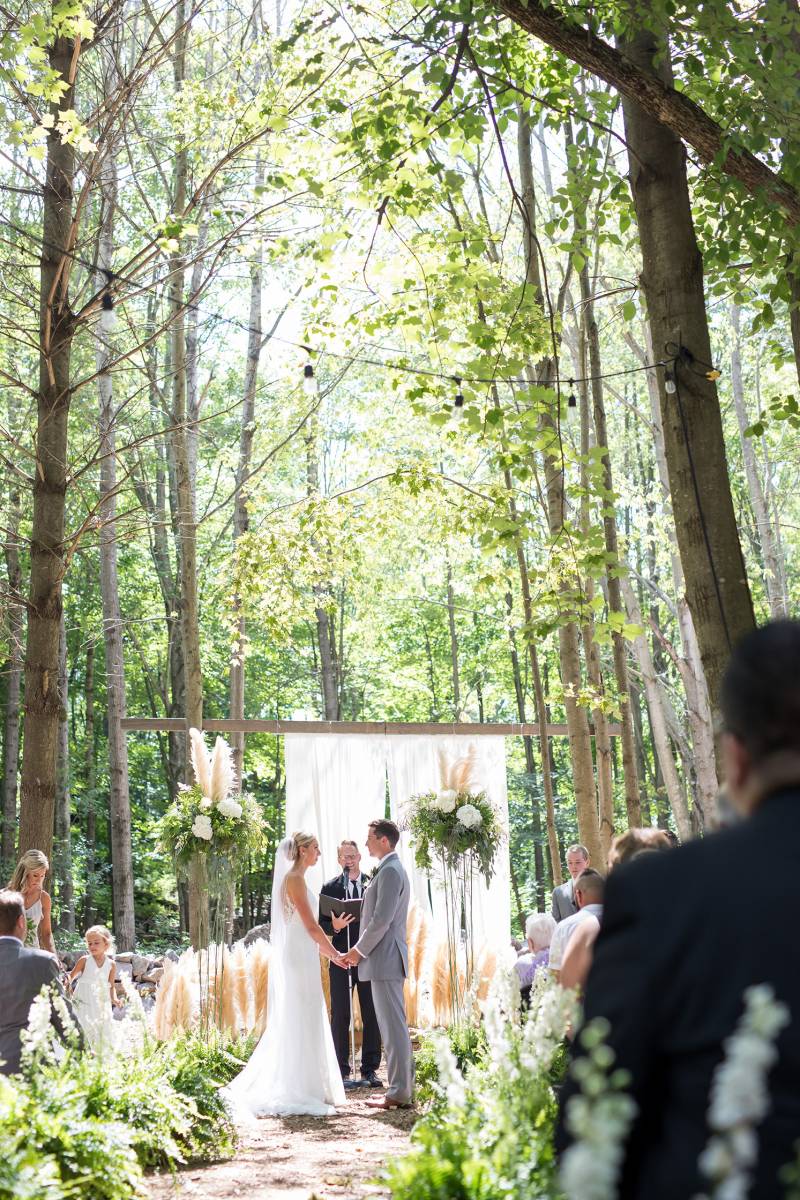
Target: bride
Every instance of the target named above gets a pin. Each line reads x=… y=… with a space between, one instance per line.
x=293 y=1068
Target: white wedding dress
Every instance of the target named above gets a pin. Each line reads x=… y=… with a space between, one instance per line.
x=293 y=1069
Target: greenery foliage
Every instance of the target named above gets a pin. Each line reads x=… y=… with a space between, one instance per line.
x=229 y=840
x=455 y=827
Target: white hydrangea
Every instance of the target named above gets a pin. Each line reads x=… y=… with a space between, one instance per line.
x=206 y=805
x=230 y=808
x=446 y=800
x=469 y=816
x=201 y=827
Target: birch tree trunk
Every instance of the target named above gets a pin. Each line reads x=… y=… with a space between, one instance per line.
x=769 y=549
x=90 y=781
x=451 y=625
x=56 y=330
x=119 y=797
x=329 y=683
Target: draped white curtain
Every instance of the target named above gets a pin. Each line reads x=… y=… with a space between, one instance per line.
x=413 y=764
x=335 y=785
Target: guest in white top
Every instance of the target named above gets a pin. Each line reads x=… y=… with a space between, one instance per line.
x=589 y=888
x=28 y=879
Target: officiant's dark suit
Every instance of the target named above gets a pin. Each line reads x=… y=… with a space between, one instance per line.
x=341 y=887
x=686 y=933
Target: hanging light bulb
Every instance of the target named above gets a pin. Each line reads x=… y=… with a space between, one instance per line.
x=458 y=401
x=670 y=387
x=108 y=317
x=309 y=380
x=572 y=400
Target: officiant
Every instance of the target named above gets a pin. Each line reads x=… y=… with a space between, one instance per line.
x=349 y=884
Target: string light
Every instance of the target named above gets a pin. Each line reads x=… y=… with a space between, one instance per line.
x=309 y=380
x=108 y=317
x=458 y=401
x=669 y=383
x=572 y=402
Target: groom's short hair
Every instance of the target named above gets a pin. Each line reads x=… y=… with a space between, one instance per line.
x=12 y=907
x=387 y=829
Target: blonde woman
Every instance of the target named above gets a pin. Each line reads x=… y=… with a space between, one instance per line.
x=28 y=879
x=293 y=1069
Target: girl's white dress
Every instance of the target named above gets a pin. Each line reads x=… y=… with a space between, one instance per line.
x=293 y=1069
x=92 y=1000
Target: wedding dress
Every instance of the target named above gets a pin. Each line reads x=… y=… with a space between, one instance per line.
x=293 y=1069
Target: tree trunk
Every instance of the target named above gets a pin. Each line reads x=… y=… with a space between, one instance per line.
x=16 y=619
x=62 y=848
x=56 y=329
x=119 y=798
x=666 y=760
x=329 y=684
x=705 y=521
x=530 y=766
x=769 y=550
x=612 y=550
x=580 y=742
x=90 y=780
x=451 y=625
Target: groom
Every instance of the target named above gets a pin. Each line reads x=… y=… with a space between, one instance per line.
x=381 y=955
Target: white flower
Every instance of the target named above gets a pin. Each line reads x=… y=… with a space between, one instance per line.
x=446 y=800
x=469 y=816
x=230 y=808
x=201 y=827
x=206 y=805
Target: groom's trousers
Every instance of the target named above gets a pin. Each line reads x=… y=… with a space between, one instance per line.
x=390 y=1009
x=340 y=1022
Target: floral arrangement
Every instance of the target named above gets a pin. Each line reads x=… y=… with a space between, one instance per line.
x=455 y=823
x=208 y=818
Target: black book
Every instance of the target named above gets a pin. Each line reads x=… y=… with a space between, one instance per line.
x=331 y=906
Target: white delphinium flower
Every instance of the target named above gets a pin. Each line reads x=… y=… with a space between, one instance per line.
x=500 y=1016
x=230 y=808
x=469 y=816
x=450 y=1081
x=201 y=827
x=599 y=1120
x=551 y=1012
x=67 y=1018
x=446 y=800
x=739 y=1094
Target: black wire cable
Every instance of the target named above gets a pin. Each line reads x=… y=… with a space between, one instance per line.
x=113 y=278
x=681 y=360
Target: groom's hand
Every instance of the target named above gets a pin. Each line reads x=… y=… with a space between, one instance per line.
x=352 y=958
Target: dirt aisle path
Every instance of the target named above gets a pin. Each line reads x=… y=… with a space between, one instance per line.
x=297 y=1158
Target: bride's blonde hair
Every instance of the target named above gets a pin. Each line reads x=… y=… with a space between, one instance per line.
x=299 y=840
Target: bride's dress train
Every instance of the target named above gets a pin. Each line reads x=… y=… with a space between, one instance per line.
x=293 y=1069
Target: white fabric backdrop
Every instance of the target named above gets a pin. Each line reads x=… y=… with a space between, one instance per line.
x=335 y=785
x=413 y=763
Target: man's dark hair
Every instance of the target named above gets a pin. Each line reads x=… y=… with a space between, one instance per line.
x=591 y=883
x=387 y=829
x=12 y=907
x=760 y=697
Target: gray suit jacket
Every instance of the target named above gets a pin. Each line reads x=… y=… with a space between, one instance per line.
x=383 y=923
x=564 y=901
x=23 y=973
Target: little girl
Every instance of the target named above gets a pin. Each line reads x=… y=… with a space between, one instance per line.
x=93 y=992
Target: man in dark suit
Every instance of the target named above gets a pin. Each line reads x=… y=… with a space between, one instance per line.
x=564 y=902
x=349 y=884
x=23 y=974
x=685 y=934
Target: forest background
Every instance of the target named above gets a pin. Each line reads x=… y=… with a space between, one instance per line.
x=408 y=363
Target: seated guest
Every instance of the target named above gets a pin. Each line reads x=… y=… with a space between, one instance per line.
x=577 y=958
x=589 y=898
x=685 y=934
x=564 y=903
x=539 y=929
x=23 y=974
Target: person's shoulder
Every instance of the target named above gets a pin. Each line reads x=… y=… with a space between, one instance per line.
x=39 y=959
x=328 y=888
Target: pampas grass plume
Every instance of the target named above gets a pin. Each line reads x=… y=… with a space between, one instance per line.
x=161 y=1027
x=222 y=774
x=258 y=965
x=201 y=764
x=239 y=973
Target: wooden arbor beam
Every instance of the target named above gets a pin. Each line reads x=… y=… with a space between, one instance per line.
x=470 y=729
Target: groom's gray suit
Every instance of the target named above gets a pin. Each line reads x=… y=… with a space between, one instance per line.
x=384 y=950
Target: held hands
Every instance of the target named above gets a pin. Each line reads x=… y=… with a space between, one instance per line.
x=352 y=958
